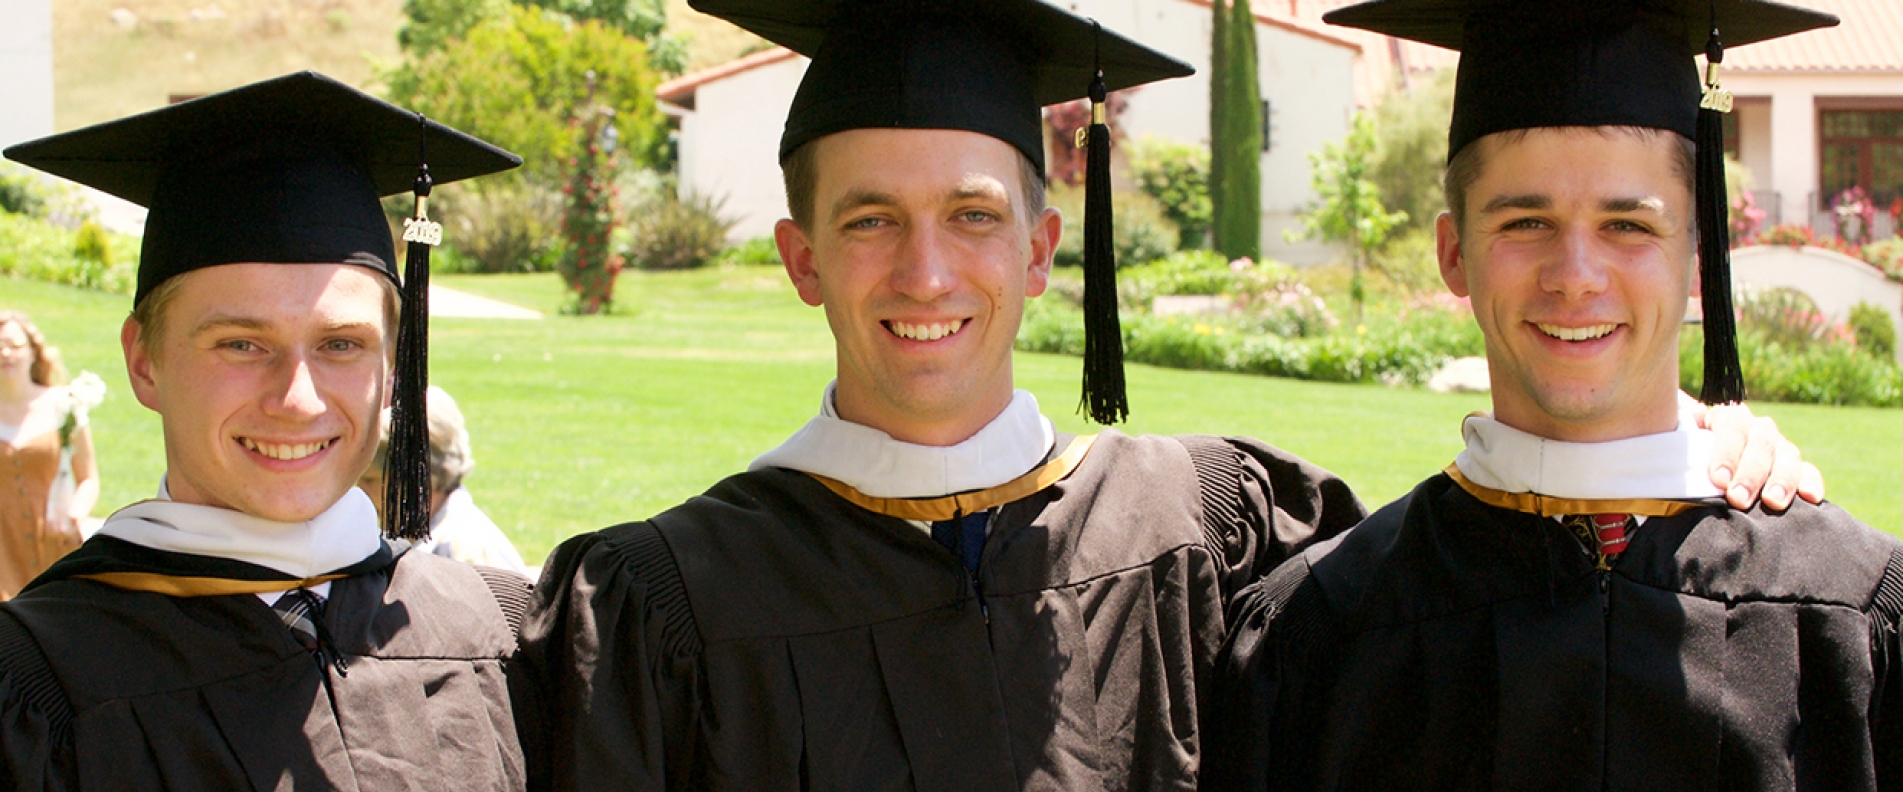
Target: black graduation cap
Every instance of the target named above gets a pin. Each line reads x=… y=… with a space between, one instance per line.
x=287 y=171
x=984 y=67
x=1526 y=64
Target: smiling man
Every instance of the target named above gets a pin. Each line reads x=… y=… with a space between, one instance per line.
x=926 y=587
x=1571 y=604
x=249 y=627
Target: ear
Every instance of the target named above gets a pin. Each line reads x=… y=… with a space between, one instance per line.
x=796 y=254
x=1045 y=233
x=139 y=365
x=1453 y=270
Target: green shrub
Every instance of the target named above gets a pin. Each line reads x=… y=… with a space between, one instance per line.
x=1887 y=256
x=671 y=232
x=1409 y=261
x=39 y=250
x=1834 y=373
x=499 y=227
x=1402 y=352
x=1142 y=234
x=1785 y=317
x=1177 y=176
x=90 y=244
x=755 y=252
x=1875 y=332
x=21 y=192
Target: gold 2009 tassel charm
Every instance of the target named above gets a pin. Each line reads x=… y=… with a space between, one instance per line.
x=420 y=229
x=1715 y=97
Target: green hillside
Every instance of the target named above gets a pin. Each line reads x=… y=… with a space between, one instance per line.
x=117 y=57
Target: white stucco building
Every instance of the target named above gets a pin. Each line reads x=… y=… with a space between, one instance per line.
x=26 y=70
x=731 y=115
x=1822 y=111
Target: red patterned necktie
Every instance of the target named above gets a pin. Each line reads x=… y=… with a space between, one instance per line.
x=1604 y=535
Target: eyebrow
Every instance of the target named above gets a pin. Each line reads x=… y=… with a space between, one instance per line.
x=1634 y=205
x=223 y=322
x=1524 y=201
x=857 y=198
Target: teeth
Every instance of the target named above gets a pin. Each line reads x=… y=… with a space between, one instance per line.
x=284 y=452
x=1577 y=333
x=925 y=332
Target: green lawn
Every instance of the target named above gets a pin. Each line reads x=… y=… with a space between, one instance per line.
x=584 y=422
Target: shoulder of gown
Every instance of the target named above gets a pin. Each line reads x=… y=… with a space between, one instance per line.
x=605 y=668
x=36 y=736
x=1262 y=505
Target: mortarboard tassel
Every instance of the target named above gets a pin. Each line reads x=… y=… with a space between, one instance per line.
x=1103 y=333
x=1724 y=377
x=406 y=473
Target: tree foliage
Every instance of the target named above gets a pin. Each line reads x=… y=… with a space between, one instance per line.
x=1235 y=132
x=1348 y=205
x=518 y=79
x=1411 y=147
x=1177 y=176
x=430 y=24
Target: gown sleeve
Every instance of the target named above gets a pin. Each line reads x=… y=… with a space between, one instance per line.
x=1281 y=505
x=1268 y=675
x=606 y=678
x=36 y=742
x=1885 y=615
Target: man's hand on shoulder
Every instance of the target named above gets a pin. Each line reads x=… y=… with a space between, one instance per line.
x=1751 y=459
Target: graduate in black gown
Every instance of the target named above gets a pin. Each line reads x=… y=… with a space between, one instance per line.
x=250 y=627
x=926 y=587
x=1570 y=605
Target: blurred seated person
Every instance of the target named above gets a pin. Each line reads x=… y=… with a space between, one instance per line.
x=458 y=528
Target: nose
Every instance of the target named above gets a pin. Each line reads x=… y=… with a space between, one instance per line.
x=1577 y=268
x=296 y=398
x=923 y=271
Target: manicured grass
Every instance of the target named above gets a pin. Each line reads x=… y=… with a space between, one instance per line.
x=581 y=422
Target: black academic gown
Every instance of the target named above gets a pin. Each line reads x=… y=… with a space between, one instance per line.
x=214 y=693
x=771 y=635
x=1450 y=645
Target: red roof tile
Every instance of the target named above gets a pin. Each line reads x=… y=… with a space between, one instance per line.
x=1870 y=39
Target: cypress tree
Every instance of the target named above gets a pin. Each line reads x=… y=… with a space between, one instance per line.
x=1218 y=102
x=1245 y=116
x=1236 y=136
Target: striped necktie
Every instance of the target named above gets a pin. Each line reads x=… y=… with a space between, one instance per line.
x=1604 y=535
x=299 y=608
x=303 y=612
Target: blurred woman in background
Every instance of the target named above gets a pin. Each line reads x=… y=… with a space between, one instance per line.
x=49 y=480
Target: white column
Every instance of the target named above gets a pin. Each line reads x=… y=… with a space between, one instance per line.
x=1794 y=153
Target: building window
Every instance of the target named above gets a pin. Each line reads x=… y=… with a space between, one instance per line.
x=1862 y=148
x=1730 y=126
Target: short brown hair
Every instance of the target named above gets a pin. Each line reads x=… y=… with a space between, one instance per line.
x=149 y=313
x=800 y=170
x=1465 y=166
x=46 y=370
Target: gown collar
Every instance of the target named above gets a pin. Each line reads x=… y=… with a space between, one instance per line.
x=341 y=536
x=873 y=463
x=1667 y=466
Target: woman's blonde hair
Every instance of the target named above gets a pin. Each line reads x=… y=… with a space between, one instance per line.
x=46 y=370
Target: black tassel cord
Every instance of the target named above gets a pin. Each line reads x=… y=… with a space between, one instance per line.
x=1724 y=377
x=406 y=496
x=1103 y=333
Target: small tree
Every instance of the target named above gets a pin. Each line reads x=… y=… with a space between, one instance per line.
x=1349 y=207
x=1411 y=147
x=1177 y=176
x=589 y=265
x=516 y=80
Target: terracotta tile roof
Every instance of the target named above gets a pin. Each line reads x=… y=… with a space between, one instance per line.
x=680 y=90
x=1870 y=39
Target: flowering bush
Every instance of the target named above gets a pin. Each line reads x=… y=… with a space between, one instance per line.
x=1746 y=218
x=589 y=265
x=1855 y=213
